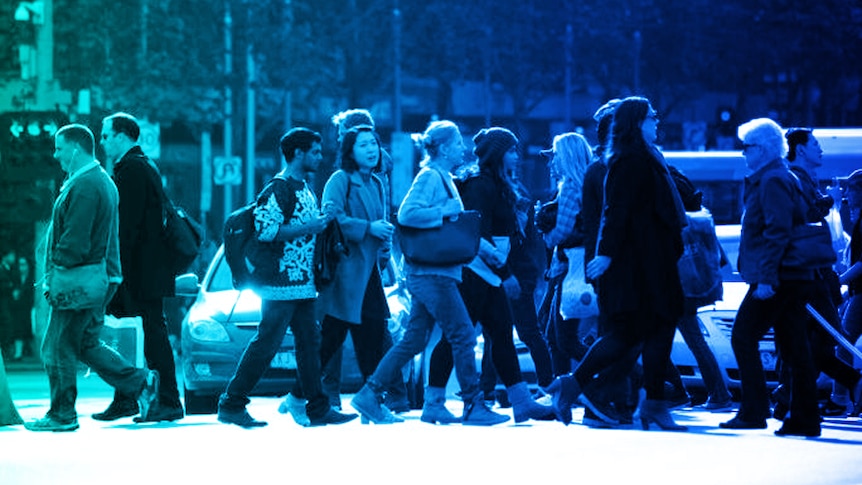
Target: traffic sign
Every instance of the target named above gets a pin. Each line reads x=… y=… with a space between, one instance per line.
x=227 y=170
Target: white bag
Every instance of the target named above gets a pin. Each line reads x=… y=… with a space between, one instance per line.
x=578 y=299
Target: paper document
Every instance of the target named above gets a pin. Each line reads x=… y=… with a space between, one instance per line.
x=482 y=269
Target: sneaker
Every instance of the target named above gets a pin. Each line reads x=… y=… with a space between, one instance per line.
x=718 y=406
x=50 y=424
x=149 y=397
x=832 y=409
x=296 y=408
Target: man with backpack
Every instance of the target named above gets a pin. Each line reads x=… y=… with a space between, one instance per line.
x=279 y=256
x=146 y=264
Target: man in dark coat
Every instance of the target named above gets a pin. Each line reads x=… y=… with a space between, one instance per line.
x=147 y=278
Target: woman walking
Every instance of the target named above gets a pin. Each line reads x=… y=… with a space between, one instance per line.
x=491 y=191
x=639 y=245
x=434 y=289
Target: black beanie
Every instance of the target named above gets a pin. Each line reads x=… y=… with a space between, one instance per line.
x=493 y=142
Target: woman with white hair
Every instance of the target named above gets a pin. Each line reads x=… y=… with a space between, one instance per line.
x=778 y=289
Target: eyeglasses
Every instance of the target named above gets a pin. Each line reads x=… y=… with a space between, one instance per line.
x=746 y=146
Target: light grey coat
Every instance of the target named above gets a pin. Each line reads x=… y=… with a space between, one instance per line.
x=355 y=209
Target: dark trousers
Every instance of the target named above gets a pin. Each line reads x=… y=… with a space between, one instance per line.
x=821 y=341
x=277 y=317
x=74 y=335
x=564 y=340
x=614 y=355
x=529 y=331
x=489 y=306
x=785 y=312
x=157 y=347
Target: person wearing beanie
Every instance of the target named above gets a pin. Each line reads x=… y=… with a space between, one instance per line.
x=489 y=189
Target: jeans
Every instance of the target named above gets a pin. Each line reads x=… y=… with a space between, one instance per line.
x=73 y=335
x=715 y=386
x=785 y=312
x=277 y=316
x=435 y=299
x=489 y=306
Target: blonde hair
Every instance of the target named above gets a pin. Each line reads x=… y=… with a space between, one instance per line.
x=574 y=154
x=437 y=134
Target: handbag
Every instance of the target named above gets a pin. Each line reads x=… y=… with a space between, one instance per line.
x=810 y=247
x=454 y=242
x=578 y=299
x=329 y=249
x=78 y=288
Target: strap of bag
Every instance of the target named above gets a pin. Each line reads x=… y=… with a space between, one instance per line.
x=445 y=185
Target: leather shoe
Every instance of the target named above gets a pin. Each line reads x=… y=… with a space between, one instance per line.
x=161 y=413
x=117 y=410
x=737 y=423
x=793 y=428
x=332 y=417
x=240 y=418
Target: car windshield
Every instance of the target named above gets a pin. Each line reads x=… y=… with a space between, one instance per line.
x=221 y=277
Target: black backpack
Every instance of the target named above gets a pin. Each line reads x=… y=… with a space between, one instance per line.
x=239 y=243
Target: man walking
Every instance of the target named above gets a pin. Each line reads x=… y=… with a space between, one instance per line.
x=147 y=277
x=287 y=220
x=84 y=232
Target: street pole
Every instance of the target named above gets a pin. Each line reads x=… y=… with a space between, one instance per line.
x=396 y=25
x=228 y=102
x=568 y=80
x=250 y=126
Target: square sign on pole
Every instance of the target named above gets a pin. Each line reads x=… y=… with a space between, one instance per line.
x=227 y=170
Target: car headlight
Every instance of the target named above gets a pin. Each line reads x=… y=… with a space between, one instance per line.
x=208 y=331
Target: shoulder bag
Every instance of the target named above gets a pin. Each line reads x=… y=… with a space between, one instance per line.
x=78 y=288
x=453 y=243
x=810 y=245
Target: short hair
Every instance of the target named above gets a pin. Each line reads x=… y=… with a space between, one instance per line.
x=126 y=124
x=766 y=133
x=436 y=135
x=350 y=118
x=796 y=137
x=345 y=152
x=79 y=135
x=298 y=138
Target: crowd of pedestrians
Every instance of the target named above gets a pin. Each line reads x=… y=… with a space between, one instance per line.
x=631 y=215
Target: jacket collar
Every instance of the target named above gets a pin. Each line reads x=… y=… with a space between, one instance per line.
x=776 y=164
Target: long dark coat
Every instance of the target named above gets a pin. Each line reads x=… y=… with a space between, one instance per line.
x=641 y=231
x=143 y=253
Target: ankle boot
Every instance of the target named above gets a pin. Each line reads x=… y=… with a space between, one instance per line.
x=564 y=391
x=367 y=402
x=434 y=409
x=477 y=414
x=523 y=405
x=653 y=411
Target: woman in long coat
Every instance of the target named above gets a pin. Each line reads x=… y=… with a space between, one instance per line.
x=639 y=245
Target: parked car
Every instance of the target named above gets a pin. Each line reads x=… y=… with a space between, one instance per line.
x=215 y=332
x=716 y=323
x=222 y=320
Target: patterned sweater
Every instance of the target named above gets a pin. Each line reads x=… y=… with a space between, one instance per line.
x=290 y=275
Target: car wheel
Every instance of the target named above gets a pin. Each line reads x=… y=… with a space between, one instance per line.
x=200 y=403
